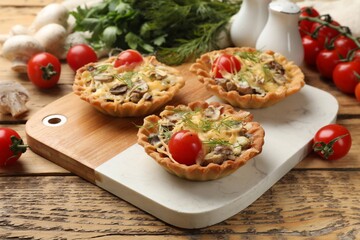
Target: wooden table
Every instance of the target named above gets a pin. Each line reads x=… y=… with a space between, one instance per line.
x=40 y=200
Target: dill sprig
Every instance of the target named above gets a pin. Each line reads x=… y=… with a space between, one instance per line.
x=217 y=142
x=176 y=30
x=252 y=56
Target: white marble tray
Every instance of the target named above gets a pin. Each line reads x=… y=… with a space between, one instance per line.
x=289 y=127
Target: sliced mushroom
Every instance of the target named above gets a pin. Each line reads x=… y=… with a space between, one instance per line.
x=154 y=140
x=104 y=77
x=218 y=155
x=147 y=96
x=221 y=82
x=135 y=97
x=13 y=97
x=141 y=88
x=279 y=79
x=119 y=89
x=244 y=88
x=213 y=112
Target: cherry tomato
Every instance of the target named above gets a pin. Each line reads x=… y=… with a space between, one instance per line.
x=332 y=142
x=325 y=34
x=343 y=45
x=185 y=147
x=128 y=57
x=225 y=63
x=79 y=55
x=44 y=70
x=356 y=56
x=346 y=76
x=326 y=62
x=357 y=92
x=11 y=146
x=305 y=25
x=311 y=50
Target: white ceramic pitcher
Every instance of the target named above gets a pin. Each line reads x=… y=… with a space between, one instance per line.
x=248 y=22
x=281 y=33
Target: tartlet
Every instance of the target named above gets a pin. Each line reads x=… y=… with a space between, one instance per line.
x=264 y=79
x=229 y=138
x=127 y=91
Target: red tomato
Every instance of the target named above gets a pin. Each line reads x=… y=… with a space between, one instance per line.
x=44 y=70
x=326 y=62
x=357 y=92
x=185 y=147
x=225 y=63
x=332 y=142
x=343 y=45
x=305 y=25
x=356 y=56
x=79 y=55
x=311 y=50
x=11 y=146
x=346 y=76
x=325 y=33
x=128 y=57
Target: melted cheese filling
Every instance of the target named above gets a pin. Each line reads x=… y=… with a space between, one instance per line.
x=145 y=82
x=257 y=72
x=223 y=135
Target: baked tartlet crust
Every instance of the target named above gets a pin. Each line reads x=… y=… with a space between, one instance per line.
x=203 y=69
x=143 y=107
x=197 y=172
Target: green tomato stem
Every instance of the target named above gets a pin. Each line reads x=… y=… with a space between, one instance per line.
x=343 y=30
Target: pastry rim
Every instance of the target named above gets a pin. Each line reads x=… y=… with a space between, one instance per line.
x=202 y=69
x=212 y=171
x=127 y=109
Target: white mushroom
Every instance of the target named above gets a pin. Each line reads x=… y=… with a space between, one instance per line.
x=19 y=49
x=15 y=30
x=52 y=37
x=51 y=13
x=13 y=97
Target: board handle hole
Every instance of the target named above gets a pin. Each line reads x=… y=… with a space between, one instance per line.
x=54 y=120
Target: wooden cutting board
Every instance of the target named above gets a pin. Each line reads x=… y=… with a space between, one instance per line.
x=86 y=129
x=103 y=150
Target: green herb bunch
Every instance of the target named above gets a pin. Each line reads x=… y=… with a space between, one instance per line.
x=175 y=30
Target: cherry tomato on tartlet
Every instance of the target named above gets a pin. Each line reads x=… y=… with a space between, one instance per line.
x=44 y=70
x=11 y=146
x=225 y=63
x=185 y=147
x=332 y=142
x=79 y=55
x=128 y=57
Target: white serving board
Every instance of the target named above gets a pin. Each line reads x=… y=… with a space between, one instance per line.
x=289 y=127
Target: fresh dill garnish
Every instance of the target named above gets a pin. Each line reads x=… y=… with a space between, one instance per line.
x=252 y=56
x=228 y=123
x=176 y=30
x=101 y=68
x=217 y=142
x=126 y=78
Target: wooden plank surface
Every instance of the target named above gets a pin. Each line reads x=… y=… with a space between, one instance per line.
x=307 y=204
x=40 y=200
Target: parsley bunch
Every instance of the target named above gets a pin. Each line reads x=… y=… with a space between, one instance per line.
x=175 y=30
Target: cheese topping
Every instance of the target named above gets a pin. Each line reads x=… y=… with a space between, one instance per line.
x=260 y=73
x=224 y=136
x=144 y=82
